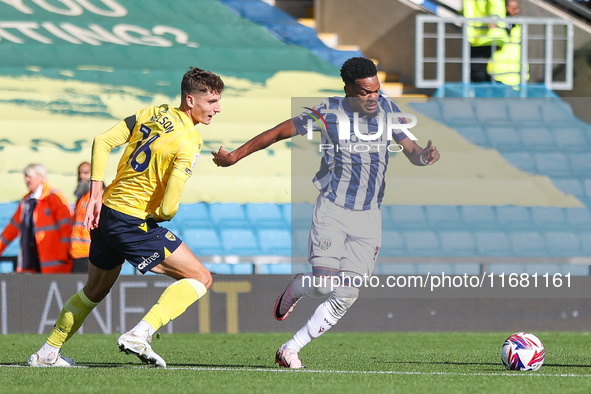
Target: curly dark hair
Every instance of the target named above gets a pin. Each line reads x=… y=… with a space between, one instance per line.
x=198 y=80
x=357 y=68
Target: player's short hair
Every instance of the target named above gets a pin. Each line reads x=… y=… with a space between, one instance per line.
x=357 y=68
x=197 y=80
x=36 y=170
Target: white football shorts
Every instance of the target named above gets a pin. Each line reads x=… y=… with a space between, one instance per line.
x=351 y=238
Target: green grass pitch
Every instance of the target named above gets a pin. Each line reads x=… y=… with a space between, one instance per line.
x=336 y=362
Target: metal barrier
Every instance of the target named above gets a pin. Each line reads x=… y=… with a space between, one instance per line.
x=459 y=27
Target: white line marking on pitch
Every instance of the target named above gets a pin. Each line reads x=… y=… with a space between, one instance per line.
x=227 y=369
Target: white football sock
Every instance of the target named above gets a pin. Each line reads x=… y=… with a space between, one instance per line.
x=321 y=321
x=143 y=329
x=325 y=317
x=48 y=353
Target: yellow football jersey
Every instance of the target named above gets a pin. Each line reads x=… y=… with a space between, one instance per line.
x=163 y=141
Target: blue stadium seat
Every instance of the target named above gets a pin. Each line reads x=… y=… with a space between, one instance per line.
x=13 y=248
x=535 y=136
x=228 y=216
x=490 y=110
x=507 y=269
x=562 y=244
x=474 y=133
x=435 y=269
x=300 y=242
x=493 y=243
x=127 y=269
x=580 y=164
x=422 y=243
x=194 y=211
x=457 y=109
x=572 y=138
x=457 y=243
x=392 y=244
x=203 y=242
x=504 y=137
x=278 y=269
x=587 y=189
x=7 y=210
x=585 y=238
x=514 y=217
x=553 y=164
x=574 y=270
x=286 y=213
x=578 y=218
x=396 y=269
x=528 y=244
x=6 y=267
x=196 y=223
x=275 y=242
x=444 y=216
x=243 y=269
x=522 y=161
x=430 y=108
x=556 y=112
x=481 y=217
x=239 y=241
x=265 y=216
x=549 y=218
x=467 y=268
x=524 y=111
x=570 y=186
x=219 y=268
x=301 y=215
x=405 y=216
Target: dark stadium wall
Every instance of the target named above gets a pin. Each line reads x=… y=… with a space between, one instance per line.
x=243 y=303
x=386 y=31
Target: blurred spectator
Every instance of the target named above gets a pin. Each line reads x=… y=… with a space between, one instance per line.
x=505 y=64
x=80 y=237
x=484 y=37
x=43 y=221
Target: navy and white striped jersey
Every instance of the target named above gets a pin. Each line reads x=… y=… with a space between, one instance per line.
x=352 y=170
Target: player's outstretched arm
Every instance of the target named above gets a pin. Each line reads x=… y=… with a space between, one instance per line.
x=282 y=131
x=419 y=156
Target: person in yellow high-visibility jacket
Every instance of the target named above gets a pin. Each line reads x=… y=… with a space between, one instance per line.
x=505 y=64
x=484 y=37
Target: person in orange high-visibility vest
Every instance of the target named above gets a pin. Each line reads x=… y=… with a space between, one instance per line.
x=80 y=237
x=43 y=220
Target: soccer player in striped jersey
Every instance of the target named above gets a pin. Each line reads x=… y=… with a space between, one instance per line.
x=346 y=233
x=162 y=148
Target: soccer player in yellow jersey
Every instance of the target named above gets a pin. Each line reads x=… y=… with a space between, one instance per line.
x=162 y=149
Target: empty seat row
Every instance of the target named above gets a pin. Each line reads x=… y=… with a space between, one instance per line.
x=507 y=137
x=485 y=244
x=551 y=110
x=233 y=216
x=410 y=230
x=234 y=241
x=513 y=125
x=484 y=217
x=552 y=164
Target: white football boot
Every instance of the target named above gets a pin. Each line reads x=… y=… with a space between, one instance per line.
x=140 y=347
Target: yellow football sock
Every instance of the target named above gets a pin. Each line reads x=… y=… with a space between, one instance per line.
x=174 y=301
x=70 y=319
